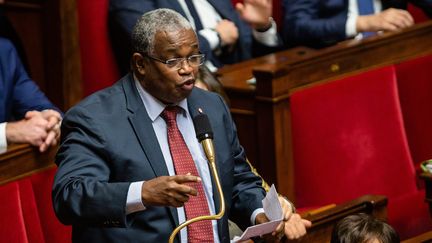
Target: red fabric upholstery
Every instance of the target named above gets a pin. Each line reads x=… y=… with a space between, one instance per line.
x=418 y=15
x=30 y=211
x=415 y=90
x=349 y=140
x=19 y=219
x=27 y=213
x=12 y=226
x=53 y=230
x=98 y=66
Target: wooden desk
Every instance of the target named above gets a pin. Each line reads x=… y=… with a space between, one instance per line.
x=423 y=238
x=261 y=111
x=20 y=160
x=427 y=177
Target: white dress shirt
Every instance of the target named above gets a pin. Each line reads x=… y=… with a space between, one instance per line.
x=185 y=124
x=3 y=141
x=210 y=17
x=353 y=13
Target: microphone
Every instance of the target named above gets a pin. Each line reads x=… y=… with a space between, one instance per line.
x=204 y=135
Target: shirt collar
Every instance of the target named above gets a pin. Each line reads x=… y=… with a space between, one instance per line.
x=154 y=106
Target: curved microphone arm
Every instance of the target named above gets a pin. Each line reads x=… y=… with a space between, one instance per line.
x=205 y=136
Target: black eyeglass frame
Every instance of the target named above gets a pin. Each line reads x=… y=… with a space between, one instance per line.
x=177 y=62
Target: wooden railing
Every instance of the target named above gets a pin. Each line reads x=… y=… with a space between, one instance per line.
x=18 y=161
x=324 y=220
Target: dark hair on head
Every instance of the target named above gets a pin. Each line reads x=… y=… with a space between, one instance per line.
x=145 y=29
x=363 y=228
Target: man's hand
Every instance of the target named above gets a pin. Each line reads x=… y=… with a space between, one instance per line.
x=228 y=32
x=293 y=226
x=40 y=129
x=388 y=20
x=257 y=13
x=53 y=126
x=169 y=190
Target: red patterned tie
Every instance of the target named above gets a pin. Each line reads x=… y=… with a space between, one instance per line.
x=200 y=231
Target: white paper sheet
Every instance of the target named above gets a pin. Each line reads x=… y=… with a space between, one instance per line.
x=273 y=211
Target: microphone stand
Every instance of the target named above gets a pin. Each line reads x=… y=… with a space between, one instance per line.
x=208 y=147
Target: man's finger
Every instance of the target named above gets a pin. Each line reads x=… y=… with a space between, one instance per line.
x=186 y=178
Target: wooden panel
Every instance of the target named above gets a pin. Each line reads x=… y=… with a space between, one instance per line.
x=324 y=221
x=21 y=160
x=277 y=75
x=48 y=32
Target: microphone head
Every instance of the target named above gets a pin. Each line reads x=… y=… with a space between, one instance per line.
x=202 y=127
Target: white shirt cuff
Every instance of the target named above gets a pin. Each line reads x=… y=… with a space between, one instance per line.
x=254 y=214
x=269 y=37
x=3 y=141
x=133 y=201
x=211 y=37
x=350 y=26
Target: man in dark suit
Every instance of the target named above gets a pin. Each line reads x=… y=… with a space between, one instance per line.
x=26 y=115
x=119 y=177
x=322 y=23
x=225 y=36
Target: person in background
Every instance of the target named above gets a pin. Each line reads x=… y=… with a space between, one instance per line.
x=225 y=35
x=318 y=24
x=363 y=228
x=208 y=81
x=26 y=115
x=130 y=168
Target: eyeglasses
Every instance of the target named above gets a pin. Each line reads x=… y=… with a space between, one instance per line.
x=193 y=61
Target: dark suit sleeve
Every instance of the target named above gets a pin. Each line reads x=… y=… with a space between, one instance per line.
x=247 y=193
x=307 y=23
x=82 y=192
x=25 y=94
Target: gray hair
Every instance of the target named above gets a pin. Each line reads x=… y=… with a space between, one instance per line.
x=162 y=19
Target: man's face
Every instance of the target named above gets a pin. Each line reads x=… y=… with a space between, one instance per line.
x=170 y=85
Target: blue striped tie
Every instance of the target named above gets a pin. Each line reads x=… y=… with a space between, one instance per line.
x=365 y=7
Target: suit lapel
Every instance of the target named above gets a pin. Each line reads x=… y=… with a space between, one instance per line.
x=142 y=125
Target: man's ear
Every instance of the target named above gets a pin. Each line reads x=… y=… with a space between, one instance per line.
x=138 y=63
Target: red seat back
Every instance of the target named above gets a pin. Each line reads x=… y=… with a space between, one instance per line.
x=418 y=14
x=53 y=230
x=415 y=90
x=348 y=139
x=98 y=66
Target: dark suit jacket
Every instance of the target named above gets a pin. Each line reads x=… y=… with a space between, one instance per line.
x=124 y=14
x=108 y=142
x=317 y=23
x=19 y=93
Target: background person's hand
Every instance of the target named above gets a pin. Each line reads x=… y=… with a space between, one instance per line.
x=52 y=127
x=228 y=32
x=388 y=20
x=32 y=130
x=169 y=190
x=257 y=13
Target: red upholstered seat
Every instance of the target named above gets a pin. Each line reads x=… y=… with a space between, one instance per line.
x=349 y=140
x=18 y=215
x=98 y=66
x=27 y=214
x=418 y=15
x=415 y=90
x=53 y=230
